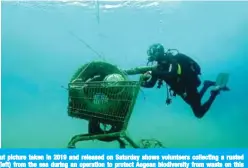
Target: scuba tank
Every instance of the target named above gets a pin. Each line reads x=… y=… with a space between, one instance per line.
x=185 y=61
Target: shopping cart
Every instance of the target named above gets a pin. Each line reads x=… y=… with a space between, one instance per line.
x=102 y=102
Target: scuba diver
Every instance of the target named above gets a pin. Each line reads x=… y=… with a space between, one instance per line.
x=181 y=74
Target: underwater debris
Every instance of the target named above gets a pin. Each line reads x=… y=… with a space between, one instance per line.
x=151 y=143
x=95 y=97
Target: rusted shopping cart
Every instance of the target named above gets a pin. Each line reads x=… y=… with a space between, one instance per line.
x=102 y=102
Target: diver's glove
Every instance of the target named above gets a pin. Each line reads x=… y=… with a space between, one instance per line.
x=145 y=77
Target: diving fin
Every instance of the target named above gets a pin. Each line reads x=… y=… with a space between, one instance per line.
x=222 y=80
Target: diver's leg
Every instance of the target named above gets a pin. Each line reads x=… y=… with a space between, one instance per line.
x=220 y=85
x=193 y=98
x=214 y=93
x=201 y=110
x=207 y=84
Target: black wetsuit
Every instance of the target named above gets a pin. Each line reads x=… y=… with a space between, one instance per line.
x=184 y=84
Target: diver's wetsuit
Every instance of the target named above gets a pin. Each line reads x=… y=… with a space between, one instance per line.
x=185 y=84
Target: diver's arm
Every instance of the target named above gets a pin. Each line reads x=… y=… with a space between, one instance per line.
x=150 y=83
x=170 y=72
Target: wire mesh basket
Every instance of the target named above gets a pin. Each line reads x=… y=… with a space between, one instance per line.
x=109 y=102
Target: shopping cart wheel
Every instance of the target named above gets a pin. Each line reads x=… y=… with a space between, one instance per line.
x=94 y=127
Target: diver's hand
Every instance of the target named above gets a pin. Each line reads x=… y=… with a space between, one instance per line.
x=146 y=76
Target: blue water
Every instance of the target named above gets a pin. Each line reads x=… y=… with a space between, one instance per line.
x=39 y=55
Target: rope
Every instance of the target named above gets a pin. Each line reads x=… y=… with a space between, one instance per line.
x=87 y=45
